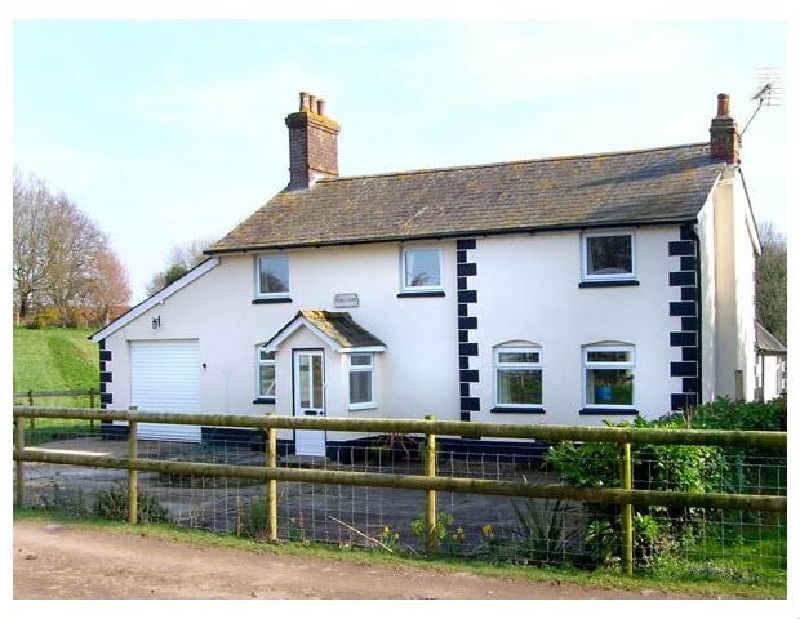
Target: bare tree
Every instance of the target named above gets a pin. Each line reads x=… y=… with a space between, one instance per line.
x=33 y=207
x=771 y=281
x=60 y=256
x=182 y=259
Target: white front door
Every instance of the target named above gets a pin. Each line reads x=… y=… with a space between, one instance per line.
x=309 y=400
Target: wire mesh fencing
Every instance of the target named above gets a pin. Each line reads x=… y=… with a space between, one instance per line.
x=746 y=546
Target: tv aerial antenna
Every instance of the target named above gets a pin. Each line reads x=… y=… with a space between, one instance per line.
x=769 y=93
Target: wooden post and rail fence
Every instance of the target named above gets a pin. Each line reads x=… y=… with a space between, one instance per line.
x=31 y=396
x=430 y=483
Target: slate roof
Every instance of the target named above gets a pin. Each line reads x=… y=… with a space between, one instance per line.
x=621 y=188
x=766 y=343
x=338 y=326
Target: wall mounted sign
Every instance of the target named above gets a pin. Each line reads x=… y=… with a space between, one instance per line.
x=345 y=299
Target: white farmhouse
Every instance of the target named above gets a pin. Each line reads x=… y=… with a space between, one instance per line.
x=564 y=291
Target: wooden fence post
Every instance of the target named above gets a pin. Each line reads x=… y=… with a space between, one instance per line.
x=430 y=505
x=133 y=475
x=91 y=405
x=272 y=484
x=30 y=403
x=19 y=440
x=626 y=482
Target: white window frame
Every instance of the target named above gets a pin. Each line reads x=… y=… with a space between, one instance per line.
x=431 y=288
x=500 y=366
x=361 y=369
x=609 y=365
x=271 y=295
x=265 y=363
x=586 y=276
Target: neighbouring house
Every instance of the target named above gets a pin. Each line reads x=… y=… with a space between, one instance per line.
x=565 y=290
x=770 y=366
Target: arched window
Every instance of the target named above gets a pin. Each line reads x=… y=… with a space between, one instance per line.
x=609 y=375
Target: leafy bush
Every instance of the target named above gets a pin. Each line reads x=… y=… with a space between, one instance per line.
x=44 y=318
x=445 y=539
x=684 y=468
x=724 y=414
x=751 y=469
x=113 y=505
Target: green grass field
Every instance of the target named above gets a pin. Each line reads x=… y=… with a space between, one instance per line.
x=55 y=359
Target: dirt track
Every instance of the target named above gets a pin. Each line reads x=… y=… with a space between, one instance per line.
x=57 y=562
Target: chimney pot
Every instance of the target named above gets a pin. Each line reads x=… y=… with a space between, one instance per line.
x=312 y=103
x=303 y=101
x=321 y=107
x=723 y=105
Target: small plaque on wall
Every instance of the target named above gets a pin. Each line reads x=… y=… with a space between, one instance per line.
x=345 y=299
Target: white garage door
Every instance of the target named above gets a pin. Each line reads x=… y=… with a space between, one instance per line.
x=165 y=376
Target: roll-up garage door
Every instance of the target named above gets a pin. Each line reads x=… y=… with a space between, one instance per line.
x=165 y=376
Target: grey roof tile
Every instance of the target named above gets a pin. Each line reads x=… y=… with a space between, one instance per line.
x=620 y=188
x=766 y=343
x=338 y=326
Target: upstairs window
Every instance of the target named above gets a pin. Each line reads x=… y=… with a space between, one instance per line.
x=609 y=376
x=518 y=373
x=272 y=276
x=422 y=269
x=608 y=256
x=266 y=374
x=361 y=378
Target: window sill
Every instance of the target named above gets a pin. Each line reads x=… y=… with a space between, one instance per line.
x=363 y=407
x=421 y=293
x=264 y=401
x=518 y=410
x=608 y=283
x=608 y=411
x=272 y=300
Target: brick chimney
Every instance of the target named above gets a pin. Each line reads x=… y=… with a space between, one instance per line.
x=313 y=143
x=725 y=138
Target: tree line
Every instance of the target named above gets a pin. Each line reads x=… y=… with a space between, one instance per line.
x=64 y=268
x=771 y=275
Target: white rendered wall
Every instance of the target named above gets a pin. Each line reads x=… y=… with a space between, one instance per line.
x=417 y=376
x=708 y=289
x=735 y=290
x=528 y=290
x=745 y=261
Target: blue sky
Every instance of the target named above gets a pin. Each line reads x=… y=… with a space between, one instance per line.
x=168 y=131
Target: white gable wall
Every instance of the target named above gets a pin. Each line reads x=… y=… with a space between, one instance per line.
x=708 y=287
x=734 y=279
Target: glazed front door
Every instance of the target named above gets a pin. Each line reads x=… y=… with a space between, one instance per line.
x=309 y=400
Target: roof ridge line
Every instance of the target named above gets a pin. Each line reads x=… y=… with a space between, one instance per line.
x=616 y=153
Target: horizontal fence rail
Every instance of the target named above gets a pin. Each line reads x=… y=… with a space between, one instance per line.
x=56 y=394
x=429 y=477
x=544 y=432
x=415 y=482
